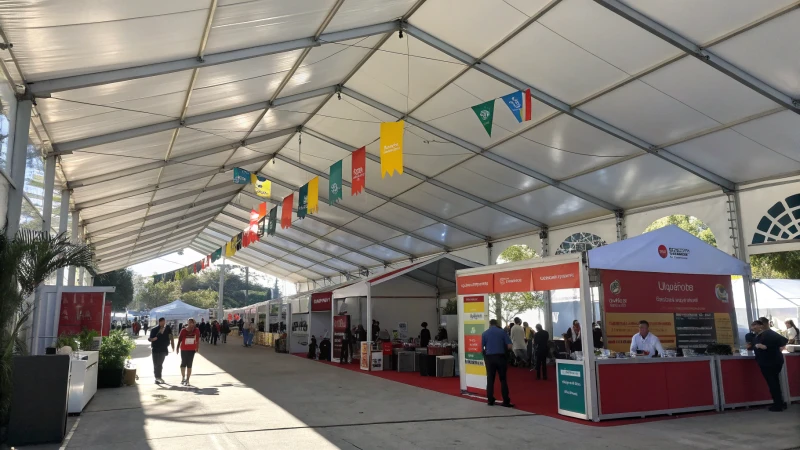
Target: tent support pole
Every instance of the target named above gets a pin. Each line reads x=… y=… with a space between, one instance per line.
x=220 y=312
x=740 y=248
x=369 y=324
x=544 y=237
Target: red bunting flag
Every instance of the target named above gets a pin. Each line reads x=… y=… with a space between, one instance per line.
x=262 y=211
x=286 y=211
x=359 y=176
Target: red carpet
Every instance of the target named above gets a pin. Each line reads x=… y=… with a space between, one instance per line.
x=528 y=394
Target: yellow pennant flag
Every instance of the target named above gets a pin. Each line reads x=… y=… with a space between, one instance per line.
x=263 y=186
x=229 y=249
x=392 y=148
x=313 y=196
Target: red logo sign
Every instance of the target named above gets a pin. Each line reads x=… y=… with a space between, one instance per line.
x=475 y=284
x=513 y=281
x=321 y=301
x=662 y=251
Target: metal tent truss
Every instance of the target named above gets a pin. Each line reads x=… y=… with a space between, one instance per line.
x=622 y=117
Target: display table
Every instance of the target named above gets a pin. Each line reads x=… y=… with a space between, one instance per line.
x=639 y=387
x=741 y=382
x=83 y=381
x=792 y=373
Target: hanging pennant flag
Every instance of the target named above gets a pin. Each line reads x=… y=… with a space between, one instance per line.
x=262 y=209
x=286 y=211
x=273 y=221
x=302 y=202
x=335 y=183
x=240 y=176
x=263 y=187
x=520 y=105
x=313 y=196
x=246 y=238
x=158 y=278
x=238 y=241
x=216 y=255
x=262 y=227
x=392 y=148
x=485 y=113
x=169 y=276
x=359 y=175
x=228 y=251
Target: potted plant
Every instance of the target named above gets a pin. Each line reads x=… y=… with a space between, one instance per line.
x=26 y=260
x=114 y=350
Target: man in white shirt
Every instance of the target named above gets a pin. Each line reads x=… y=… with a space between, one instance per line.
x=645 y=343
x=518 y=341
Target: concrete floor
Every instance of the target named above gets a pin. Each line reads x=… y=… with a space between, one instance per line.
x=255 y=398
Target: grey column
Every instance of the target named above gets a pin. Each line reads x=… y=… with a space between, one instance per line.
x=19 y=140
x=49 y=183
x=62 y=228
x=735 y=217
x=544 y=237
x=220 y=310
x=73 y=239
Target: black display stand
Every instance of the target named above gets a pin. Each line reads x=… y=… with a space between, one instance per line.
x=39 y=402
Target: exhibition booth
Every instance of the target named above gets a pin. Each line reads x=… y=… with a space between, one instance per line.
x=675 y=281
x=178 y=312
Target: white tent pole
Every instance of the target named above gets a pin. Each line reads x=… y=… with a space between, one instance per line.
x=220 y=312
x=369 y=324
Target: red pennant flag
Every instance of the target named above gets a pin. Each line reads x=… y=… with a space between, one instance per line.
x=246 y=238
x=359 y=176
x=286 y=211
x=262 y=210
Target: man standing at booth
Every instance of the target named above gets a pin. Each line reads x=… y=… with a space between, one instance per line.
x=645 y=343
x=768 y=346
x=494 y=344
x=540 y=341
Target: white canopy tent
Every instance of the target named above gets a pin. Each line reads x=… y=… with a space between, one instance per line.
x=179 y=311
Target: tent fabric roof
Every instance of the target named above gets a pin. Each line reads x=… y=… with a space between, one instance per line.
x=771 y=293
x=178 y=310
x=666 y=250
x=150 y=106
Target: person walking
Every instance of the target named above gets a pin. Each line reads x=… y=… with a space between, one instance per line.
x=190 y=340
x=528 y=342
x=344 y=353
x=540 y=341
x=214 y=332
x=518 y=343
x=244 y=330
x=424 y=335
x=160 y=340
x=251 y=332
x=494 y=344
x=768 y=346
x=225 y=330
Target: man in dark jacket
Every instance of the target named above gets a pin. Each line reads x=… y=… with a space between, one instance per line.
x=540 y=340
x=768 y=346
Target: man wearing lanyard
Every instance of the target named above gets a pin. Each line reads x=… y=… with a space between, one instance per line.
x=494 y=344
x=190 y=340
x=645 y=343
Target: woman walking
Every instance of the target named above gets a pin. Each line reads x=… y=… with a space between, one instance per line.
x=190 y=341
x=226 y=328
x=214 y=332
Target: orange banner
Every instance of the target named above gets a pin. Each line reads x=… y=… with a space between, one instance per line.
x=475 y=284
x=513 y=281
x=561 y=276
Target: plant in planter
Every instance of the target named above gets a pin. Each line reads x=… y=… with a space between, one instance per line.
x=114 y=350
x=25 y=262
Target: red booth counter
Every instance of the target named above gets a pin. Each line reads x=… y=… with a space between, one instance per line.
x=741 y=382
x=792 y=373
x=639 y=387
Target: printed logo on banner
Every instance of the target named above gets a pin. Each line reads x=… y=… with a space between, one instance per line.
x=673 y=252
x=721 y=293
x=615 y=287
x=662 y=251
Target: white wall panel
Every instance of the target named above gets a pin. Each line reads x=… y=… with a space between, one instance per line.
x=779 y=132
x=605 y=229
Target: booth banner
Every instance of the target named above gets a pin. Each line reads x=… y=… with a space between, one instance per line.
x=402 y=331
x=476 y=284
x=340 y=326
x=475 y=322
x=82 y=310
x=321 y=301
x=684 y=311
x=559 y=276
x=365 y=356
x=571 y=390
x=107 y=321
x=512 y=281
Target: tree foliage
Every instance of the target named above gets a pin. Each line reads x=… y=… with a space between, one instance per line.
x=513 y=304
x=122 y=280
x=689 y=224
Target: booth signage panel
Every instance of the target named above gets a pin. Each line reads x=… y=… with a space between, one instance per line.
x=340 y=326
x=686 y=311
x=475 y=284
x=322 y=301
x=559 y=276
x=274 y=309
x=475 y=321
x=82 y=310
x=512 y=281
x=107 y=321
x=571 y=388
x=365 y=355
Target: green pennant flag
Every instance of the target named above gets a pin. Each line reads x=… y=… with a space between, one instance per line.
x=302 y=202
x=335 y=183
x=485 y=113
x=216 y=255
x=273 y=221
x=240 y=176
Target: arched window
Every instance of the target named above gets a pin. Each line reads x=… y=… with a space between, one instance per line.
x=580 y=242
x=780 y=223
x=689 y=224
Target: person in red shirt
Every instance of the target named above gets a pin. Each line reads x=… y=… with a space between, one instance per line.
x=190 y=341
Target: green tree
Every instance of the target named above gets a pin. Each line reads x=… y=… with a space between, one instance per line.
x=689 y=224
x=276 y=290
x=201 y=299
x=157 y=294
x=776 y=265
x=122 y=280
x=507 y=306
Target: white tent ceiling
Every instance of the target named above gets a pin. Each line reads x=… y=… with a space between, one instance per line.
x=151 y=104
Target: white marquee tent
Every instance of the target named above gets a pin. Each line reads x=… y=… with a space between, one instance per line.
x=179 y=311
x=641 y=108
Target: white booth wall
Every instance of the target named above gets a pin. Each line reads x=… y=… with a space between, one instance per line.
x=299 y=308
x=319 y=325
x=404 y=300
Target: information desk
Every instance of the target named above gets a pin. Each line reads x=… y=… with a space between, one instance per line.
x=638 y=387
x=792 y=373
x=83 y=381
x=741 y=382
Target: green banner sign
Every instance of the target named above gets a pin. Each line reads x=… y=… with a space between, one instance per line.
x=571 y=392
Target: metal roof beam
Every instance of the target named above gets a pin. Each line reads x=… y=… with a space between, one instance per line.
x=432 y=181
x=563 y=107
x=387 y=199
x=70 y=146
x=132 y=209
x=149 y=217
x=480 y=151
x=692 y=49
x=88 y=181
x=46 y=87
x=197 y=217
x=124 y=261
x=155 y=240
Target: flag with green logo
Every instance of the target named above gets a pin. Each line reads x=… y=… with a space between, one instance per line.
x=335 y=183
x=302 y=202
x=273 y=221
x=485 y=113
